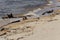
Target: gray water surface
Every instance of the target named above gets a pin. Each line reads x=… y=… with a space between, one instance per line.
x=18 y=6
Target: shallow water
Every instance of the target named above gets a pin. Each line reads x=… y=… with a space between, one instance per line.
x=17 y=6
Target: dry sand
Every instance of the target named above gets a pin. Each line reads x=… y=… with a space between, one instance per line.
x=47 y=30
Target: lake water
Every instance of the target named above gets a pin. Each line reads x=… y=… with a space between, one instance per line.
x=18 y=6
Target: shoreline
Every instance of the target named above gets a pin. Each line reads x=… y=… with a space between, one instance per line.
x=32 y=27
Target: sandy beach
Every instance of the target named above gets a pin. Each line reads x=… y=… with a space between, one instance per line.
x=29 y=20
x=45 y=28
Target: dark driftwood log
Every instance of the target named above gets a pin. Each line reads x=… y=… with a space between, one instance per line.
x=44 y=13
x=3 y=34
x=10 y=15
x=24 y=18
x=2 y=29
x=15 y=21
x=47 y=12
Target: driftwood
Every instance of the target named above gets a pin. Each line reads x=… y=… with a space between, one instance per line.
x=44 y=13
x=15 y=21
x=3 y=34
x=47 y=12
x=4 y=17
x=24 y=18
x=50 y=11
x=10 y=15
x=1 y=29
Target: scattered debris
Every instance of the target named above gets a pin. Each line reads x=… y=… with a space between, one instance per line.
x=3 y=33
x=15 y=21
x=52 y=20
x=1 y=29
x=20 y=38
x=47 y=12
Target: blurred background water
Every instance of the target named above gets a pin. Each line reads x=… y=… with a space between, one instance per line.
x=18 y=6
